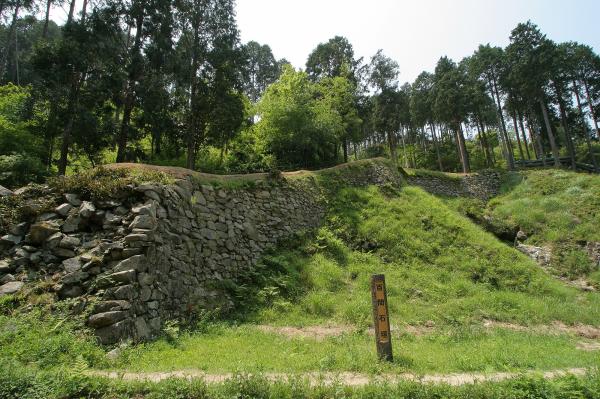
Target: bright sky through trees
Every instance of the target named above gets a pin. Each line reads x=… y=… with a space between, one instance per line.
x=414 y=33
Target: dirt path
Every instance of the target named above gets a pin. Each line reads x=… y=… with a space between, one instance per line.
x=320 y=333
x=346 y=379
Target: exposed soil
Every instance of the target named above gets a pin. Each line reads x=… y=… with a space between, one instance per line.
x=556 y=328
x=346 y=379
x=318 y=333
x=321 y=333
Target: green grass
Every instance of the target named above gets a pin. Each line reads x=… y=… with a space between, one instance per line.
x=558 y=209
x=247 y=349
x=442 y=270
x=439 y=268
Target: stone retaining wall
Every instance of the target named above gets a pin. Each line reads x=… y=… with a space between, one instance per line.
x=159 y=252
x=483 y=185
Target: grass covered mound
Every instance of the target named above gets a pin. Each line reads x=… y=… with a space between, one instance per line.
x=558 y=209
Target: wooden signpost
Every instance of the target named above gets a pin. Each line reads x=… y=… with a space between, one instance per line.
x=381 y=320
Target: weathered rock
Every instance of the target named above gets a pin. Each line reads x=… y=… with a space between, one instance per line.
x=541 y=255
x=12 y=287
x=69 y=242
x=72 y=265
x=106 y=319
x=86 y=210
x=5 y=267
x=19 y=229
x=8 y=278
x=75 y=277
x=114 y=305
x=63 y=210
x=39 y=232
x=72 y=224
x=10 y=240
x=146 y=279
x=113 y=333
x=46 y=217
x=125 y=292
x=64 y=253
x=127 y=276
x=137 y=263
x=69 y=291
x=73 y=199
x=146 y=222
x=142 y=331
x=5 y=192
x=521 y=236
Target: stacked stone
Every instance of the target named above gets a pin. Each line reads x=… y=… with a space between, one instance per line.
x=161 y=252
x=483 y=185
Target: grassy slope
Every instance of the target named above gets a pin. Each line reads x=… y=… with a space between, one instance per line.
x=557 y=208
x=440 y=268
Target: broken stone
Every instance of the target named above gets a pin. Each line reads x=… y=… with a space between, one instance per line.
x=127 y=276
x=5 y=192
x=106 y=319
x=64 y=252
x=54 y=240
x=73 y=199
x=541 y=255
x=72 y=265
x=137 y=262
x=87 y=210
x=113 y=333
x=11 y=288
x=45 y=217
x=69 y=291
x=63 y=210
x=107 y=306
x=19 y=229
x=75 y=277
x=145 y=222
x=72 y=224
x=39 y=232
x=10 y=239
x=8 y=278
x=69 y=242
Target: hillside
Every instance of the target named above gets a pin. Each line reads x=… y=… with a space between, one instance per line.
x=460 y=299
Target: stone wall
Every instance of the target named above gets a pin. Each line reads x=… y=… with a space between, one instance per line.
x=158 y=252
x=483 y=185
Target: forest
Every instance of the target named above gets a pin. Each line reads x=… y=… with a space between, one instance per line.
x=170 y=83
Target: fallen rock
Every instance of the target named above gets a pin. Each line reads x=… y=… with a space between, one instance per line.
x=5 y=192
x=11 y=288
x=108 y=306
x=100 y=320
x=73 y=199
x=72 y=265
x=145 y=222
x=63 y=210
x=137 y=262
x=113 y=333
x=541 y=255
x=19 y=229
x=87 y=209
x=40 y=232
x=10 y=239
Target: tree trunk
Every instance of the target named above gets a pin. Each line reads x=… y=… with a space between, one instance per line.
x=46 y=19
x=71 y=12
x=565 y=124
x=393 y=150
x=510 y=159
x=355 y=151
x=345 y=145
x=84 y=11
x=538 y=142
x=553 y=146
x=587 y=132
x=437 y=147
x=514 y=117
x=129 y=101
x=524 y=136
x=66 y=134
x=464 y=155
x=591 y=105
x=193 y=120
x=488 y=150
x=11 y=33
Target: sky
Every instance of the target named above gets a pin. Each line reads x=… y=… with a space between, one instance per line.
x=414 y=33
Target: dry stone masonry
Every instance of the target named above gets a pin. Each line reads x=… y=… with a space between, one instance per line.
x=158 y=252
x=483 y=185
